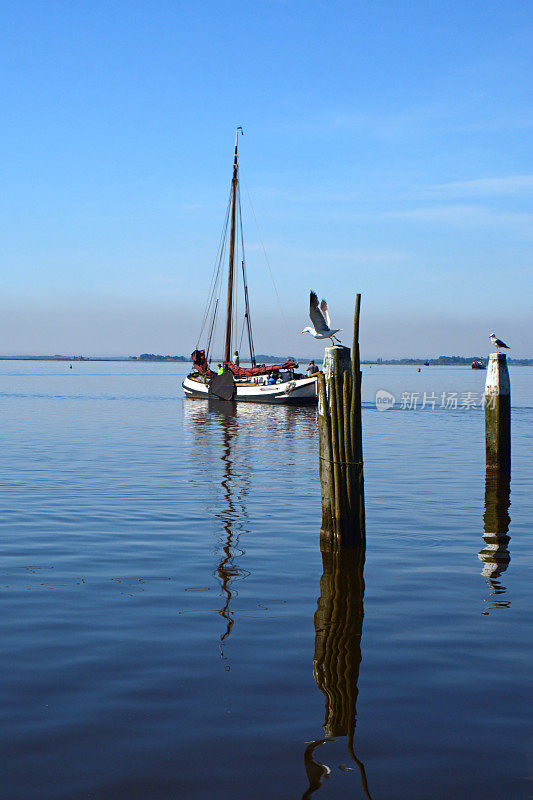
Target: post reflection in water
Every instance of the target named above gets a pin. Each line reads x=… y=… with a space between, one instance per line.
x=338 y=631
x=495 y=555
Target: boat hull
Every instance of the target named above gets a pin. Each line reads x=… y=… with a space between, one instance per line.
x=301 y=391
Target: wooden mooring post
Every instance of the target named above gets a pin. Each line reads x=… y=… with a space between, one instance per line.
x=498 y=415
x=340 y=442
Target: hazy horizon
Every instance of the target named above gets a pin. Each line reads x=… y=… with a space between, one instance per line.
x=76 y=330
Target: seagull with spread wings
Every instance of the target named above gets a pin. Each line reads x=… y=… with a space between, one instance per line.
x=321 y=322
x=498 y=342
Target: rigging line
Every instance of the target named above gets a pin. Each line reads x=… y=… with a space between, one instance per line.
x=224 y=258
x=242 y=332
x=214 y=312
x=235 y=303
x=215 y=294
x=266 y=258
x=236 y=290
x=216 y=270
x=247 y=314
x=221 y=243
x=210 y=297
x=218 y=289
x=213 y=290
x=212 y=329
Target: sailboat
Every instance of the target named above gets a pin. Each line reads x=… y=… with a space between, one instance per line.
x=258 y=383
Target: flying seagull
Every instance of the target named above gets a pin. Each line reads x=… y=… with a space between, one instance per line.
x=321 y=321
x=498 y=342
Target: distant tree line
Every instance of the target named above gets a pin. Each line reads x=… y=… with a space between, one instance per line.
x=157 y=357
x=447 y=361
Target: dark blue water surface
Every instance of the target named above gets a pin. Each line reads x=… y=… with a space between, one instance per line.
x=160 y=573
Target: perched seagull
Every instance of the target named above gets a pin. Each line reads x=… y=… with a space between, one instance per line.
x=320 y=319
x=498 y=342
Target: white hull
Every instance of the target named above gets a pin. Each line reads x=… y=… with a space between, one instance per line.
x=299 y=390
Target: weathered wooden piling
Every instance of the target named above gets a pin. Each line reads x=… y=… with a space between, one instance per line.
x=356 y=423
x=340 y=442
x=498 y=415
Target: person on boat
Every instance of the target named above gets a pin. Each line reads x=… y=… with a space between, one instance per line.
x=311 y=369
x=220 y=369
x=235 y=359
x=271 y=379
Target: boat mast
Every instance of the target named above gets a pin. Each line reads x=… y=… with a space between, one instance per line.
x=234 y=185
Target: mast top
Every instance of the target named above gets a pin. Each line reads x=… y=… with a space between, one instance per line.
x=235 y=160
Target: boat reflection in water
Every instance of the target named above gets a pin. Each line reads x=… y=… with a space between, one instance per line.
x=225 y=431
x=495 y=555
x=233 y=514
x=338 y=630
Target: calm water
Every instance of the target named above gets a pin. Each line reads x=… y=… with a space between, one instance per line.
x=161 y=571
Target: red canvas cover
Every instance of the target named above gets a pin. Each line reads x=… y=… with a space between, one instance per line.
x=200 y=363
x=263 y=369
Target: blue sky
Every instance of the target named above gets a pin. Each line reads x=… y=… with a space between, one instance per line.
x=386 y=150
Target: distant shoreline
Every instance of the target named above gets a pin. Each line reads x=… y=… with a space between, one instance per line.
x=71 y=359
x=441 y=361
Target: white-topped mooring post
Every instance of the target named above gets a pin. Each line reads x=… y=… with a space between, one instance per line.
x=498 y=414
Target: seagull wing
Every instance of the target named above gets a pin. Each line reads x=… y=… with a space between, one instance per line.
x=501 y=344
x=316 y=315
x=324 y=309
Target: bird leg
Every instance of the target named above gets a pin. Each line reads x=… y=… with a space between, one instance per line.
x=337 y=340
